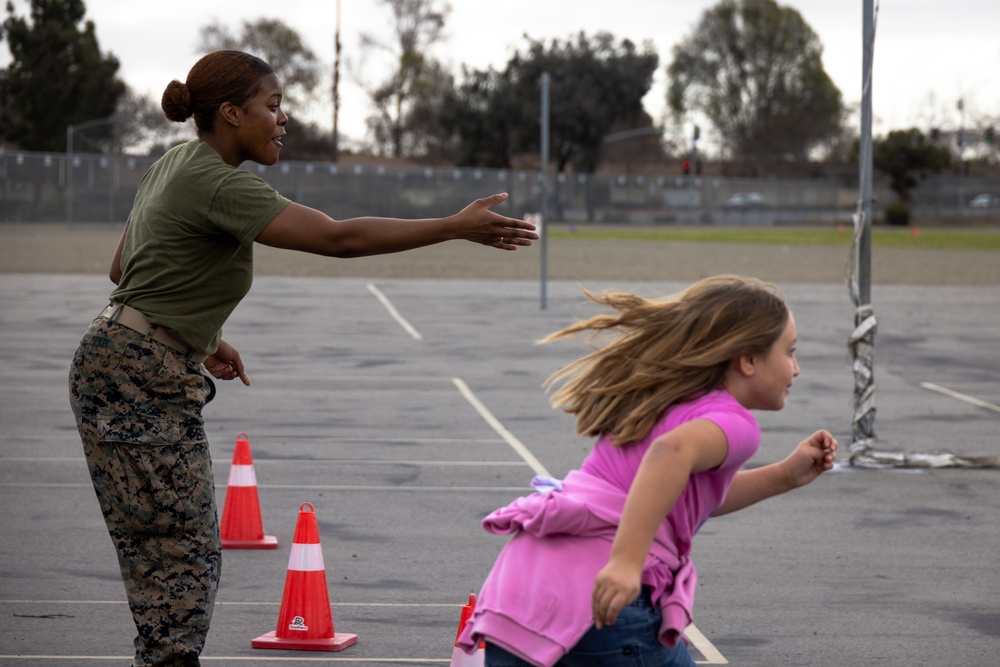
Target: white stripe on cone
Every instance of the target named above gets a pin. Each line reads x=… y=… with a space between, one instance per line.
x=242 y=476
x=305 y=557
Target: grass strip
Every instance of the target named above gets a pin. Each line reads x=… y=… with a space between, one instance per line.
x=914 y=237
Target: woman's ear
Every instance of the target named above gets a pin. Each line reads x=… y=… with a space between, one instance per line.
x=231 y=113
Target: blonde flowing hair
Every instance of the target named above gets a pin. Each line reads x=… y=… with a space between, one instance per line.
x=668 y=350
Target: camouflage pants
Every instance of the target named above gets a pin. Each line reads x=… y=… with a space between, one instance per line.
x=138 y=408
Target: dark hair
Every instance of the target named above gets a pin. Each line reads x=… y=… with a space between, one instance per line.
x=219 y=77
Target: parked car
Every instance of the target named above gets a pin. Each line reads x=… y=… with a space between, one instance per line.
x=746 y=200
x=985 y=201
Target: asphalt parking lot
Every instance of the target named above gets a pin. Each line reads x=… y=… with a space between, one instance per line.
x=405 y=410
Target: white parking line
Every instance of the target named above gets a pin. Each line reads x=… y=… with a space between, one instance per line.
x=961 y=397
x=698 y=640
x=270 y=461
x=501 y=430
x=269 y=660
x=409 y=328
x=232 y=658
x=247 y=603
x=383 y=488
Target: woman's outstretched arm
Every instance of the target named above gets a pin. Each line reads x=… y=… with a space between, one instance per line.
x=305 y=229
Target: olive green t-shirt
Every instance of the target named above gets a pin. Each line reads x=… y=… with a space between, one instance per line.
x=187 y=260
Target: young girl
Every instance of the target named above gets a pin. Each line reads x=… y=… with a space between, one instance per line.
x=183 y=264
x=598 y=571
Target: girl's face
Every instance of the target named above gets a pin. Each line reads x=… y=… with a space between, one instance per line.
x=263 y=123
x=774 y=371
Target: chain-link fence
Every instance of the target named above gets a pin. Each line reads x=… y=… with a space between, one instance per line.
x=87 y=187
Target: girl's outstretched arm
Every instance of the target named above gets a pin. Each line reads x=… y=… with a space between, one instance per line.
x=668 y=463
x=811 y=458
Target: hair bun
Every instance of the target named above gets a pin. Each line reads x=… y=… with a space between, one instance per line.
x=176 y=102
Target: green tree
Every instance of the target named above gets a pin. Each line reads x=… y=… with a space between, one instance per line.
x=407 y=120
x=408 y=102
x=483 y=114
x=57 y=76
x=906 y=157
x=596 y=88
x=281 y=47
x=754 y=69
x=139 y=127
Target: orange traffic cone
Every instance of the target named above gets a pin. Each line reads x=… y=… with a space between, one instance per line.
x=242 y=526
x=460 y=658
x=305 y=621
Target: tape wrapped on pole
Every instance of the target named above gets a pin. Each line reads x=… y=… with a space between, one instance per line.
x=861 y=344
x=863 y=452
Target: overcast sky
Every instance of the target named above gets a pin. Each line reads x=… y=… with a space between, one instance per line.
x=928 y=53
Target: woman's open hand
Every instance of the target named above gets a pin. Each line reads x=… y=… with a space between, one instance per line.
x=478 y=223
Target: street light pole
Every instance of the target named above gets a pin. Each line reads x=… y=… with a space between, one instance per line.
x=70 y=131
x=336 y=87
x=544 y=231
x=961 y=157
x=69 y=174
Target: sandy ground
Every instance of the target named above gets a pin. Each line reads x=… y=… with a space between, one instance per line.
x=87 y=248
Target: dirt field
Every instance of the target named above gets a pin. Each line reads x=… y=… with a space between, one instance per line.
x=87 y=248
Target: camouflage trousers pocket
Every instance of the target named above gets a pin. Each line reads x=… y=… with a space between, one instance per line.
x=115 y=368
x=150 y=478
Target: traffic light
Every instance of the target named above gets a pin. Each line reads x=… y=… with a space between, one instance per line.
x=697 y=133
x=686 y=167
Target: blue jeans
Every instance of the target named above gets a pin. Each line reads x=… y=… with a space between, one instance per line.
x=631 y=642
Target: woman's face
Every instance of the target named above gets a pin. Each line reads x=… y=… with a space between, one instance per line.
x=263 y=123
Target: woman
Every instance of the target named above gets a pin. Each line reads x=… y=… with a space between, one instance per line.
x=183 y=264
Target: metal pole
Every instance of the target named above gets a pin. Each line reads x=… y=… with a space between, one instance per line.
x=865 y=247
x=70 y=131
x=336 y=87
x=69 y=174
x=862 y=340
x=545 y=185
x=961 y=157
